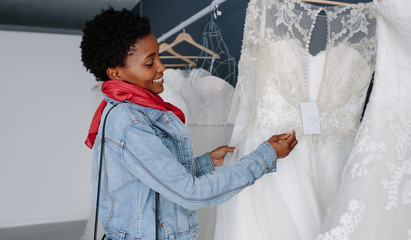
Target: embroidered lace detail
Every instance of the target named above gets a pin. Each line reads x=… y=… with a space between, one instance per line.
x=348 y=222
x=272 y=78
x=371 y=150
x=403 y=134
x=400 y=166
x=378 y=172
x=400 y=170
x=290 y=18
x=394 y=184
x=406 y=195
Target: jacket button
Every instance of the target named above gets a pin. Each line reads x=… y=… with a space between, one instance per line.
x=161 y=225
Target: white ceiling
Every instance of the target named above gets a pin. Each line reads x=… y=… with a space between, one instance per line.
x=60 y=16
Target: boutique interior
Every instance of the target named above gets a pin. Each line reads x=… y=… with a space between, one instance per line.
x=218 y=73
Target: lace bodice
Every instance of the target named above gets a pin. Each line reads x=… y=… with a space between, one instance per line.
x=273 y=67
x=208 y=100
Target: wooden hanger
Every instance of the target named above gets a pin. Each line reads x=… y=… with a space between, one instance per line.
x=327 y=2
x=187 y=38
x=166 y=47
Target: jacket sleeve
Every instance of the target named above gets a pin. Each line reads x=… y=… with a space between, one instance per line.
x=203 y=165
x=146 y=157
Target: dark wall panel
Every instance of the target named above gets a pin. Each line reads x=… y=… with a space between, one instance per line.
x=165 y=15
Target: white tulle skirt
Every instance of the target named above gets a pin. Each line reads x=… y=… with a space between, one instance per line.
x=289 y=203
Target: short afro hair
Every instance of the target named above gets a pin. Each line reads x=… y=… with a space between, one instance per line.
x=107 y=38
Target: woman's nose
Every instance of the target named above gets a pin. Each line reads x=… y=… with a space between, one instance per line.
x=161 y=67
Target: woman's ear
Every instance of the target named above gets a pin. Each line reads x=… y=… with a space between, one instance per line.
x=113 y=74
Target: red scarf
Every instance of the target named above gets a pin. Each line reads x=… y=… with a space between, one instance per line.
x=120 y=91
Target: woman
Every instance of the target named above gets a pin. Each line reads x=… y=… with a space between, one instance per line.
x=147 y=147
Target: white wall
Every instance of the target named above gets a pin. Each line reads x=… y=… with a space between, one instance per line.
x=46 y=105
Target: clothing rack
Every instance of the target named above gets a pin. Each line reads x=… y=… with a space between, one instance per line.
x=190 y=20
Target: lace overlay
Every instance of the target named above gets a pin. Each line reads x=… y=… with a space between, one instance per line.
x=378 y=172
x=372 y=151
x=275 y=38
x=348 y=222
x=273 y=80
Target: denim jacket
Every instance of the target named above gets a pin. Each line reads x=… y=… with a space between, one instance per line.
x=148 y=150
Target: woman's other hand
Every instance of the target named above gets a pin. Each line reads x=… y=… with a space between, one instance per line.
x=283 y=143
x=218 y=154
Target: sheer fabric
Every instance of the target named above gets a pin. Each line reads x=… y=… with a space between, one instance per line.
x=374 y=201
x=276 y=74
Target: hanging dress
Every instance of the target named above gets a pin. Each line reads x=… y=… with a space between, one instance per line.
x=173 y=79
x=208 y=100
x=276 y=74
x=374 y=201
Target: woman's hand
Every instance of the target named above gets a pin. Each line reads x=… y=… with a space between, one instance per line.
x=283 y=143
x=218 y=154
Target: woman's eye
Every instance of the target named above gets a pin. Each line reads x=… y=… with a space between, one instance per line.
x=150 y=64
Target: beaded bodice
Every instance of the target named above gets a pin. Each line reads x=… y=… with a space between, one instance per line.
x=208 y=100
x=274 y=64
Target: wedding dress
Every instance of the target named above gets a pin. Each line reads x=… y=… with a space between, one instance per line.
x=208 y=100
x=276 y=74
x=173 y=79
x=374 y=201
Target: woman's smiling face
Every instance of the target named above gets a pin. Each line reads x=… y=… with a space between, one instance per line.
x=142 y=65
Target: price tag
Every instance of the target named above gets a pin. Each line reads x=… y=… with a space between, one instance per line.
x=310 y=117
